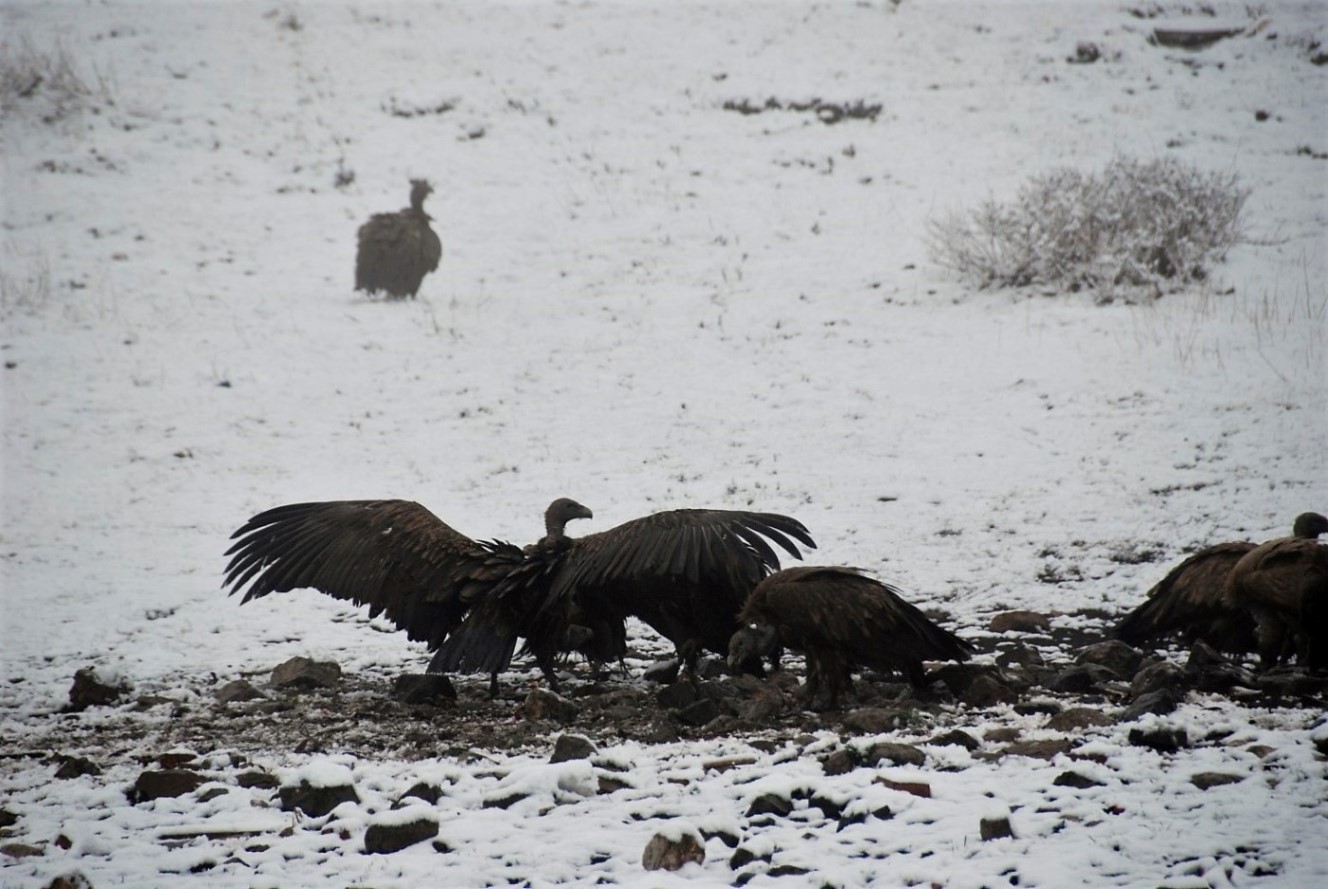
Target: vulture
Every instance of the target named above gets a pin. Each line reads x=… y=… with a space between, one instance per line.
x=840 y=619
x=1283 y=583
x=1191 y=600
x=396 y=250
x=685 y=572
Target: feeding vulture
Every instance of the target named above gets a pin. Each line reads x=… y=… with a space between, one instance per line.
x=840 y=619
x=396 y=250
x=685 y=572
x=1281 y=583
x=1191 y=600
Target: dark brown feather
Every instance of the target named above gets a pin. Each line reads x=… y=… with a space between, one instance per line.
x=1274 y=581
x=842 y=619
x=392 y=555
x=1190 y=601
x=396 y=250
x=685 y=572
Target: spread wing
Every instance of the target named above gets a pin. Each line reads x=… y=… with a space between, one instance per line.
x=685 y=572
x=691 y=545
x=392 y=555
x=1191 y=598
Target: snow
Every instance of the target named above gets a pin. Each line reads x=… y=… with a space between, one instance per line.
x=645 y=302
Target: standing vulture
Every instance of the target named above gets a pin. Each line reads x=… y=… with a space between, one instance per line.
x=396 y=250
x=840 y=619
x=1281 y=582
x=1191 y=600
x=686 y=572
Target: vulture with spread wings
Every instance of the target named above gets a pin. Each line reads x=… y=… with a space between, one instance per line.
x=685 y=572
x=1191 y=600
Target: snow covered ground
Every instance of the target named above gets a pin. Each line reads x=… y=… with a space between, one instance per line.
x=646 y=301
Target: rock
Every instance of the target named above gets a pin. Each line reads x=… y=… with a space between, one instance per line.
x=1076 y=780
x=1163 y=739
x=1019 y=655
x=894 y=752
x=1292 y=682
x=386 y=838
x=257 y=779
x=663 y=672
x=726 y=837
x=917 y=788
x=7 y=818
x=1115 y=655
x=89 y=690
x=1205 y=780
x=1036 y=708
x=1077 y=719
x=872 y=720
x=423 y=688
x=770 y=804
x=316 y=801
x=1158 y=675
x=671 y=850
x=1003 y=735
x=21 y=850
x=1085 y=53
x=568 y=747
x=158 y=783
x=761 y=709
x=956 y=737
x=711 y=668
x=304 y=673
x=677 y=696
x=700 y=712
x=1046 y=749
x=744 y=856
x=504 y=802
x=76 y=766
x=1019 y=622
x=988 y=691
x=829 y=808
x=1160 y=702
x=70 y=881
x=995 y=828
x=542 y=704
x=609 y=784
x=840 y=762
x=422 y=790
x=1081 y=678
x=236 y=692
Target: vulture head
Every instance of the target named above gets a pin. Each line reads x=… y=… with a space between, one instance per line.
x=750 y=646
x=419 y=190
x=559 y=513
x=1310 y=525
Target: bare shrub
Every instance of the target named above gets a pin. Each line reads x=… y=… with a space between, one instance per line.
x=46 y=79
x=25 y=283
x=1133 y=224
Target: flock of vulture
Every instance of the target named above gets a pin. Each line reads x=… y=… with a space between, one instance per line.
x=710 y=580
x=705 y=579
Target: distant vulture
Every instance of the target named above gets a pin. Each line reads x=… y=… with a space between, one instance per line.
x=1281 y=583
x=396 y=250
x=685 y=572
x=840 y=619
x=1191 y=600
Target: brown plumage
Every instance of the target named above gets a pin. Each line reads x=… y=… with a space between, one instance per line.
x=1275 y=582
x=1191 y=600
x=840 y=619
x=680 y=571
x=396 y=250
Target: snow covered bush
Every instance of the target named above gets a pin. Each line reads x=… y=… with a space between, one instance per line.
x=1135 y=223
x=47 y=79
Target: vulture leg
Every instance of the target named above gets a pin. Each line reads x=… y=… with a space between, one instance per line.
x=689 y=653
x=493 y=686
